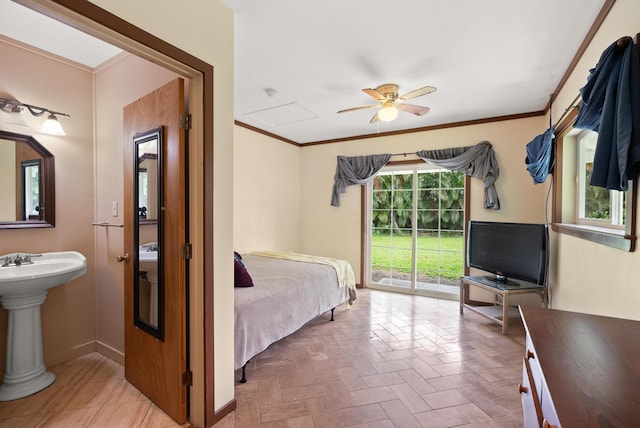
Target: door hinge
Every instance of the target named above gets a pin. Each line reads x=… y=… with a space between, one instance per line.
x=187 y=378
x=186 y=251
x=185 y=121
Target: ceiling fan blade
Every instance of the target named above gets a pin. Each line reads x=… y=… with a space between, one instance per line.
x=414 y=109
x=375 y=118
x=374 y=93
x=418 y=92
x=358 y=108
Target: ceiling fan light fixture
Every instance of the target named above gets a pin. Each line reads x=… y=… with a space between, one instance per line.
x=388 y=112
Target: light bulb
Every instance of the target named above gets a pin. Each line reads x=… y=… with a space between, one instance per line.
x=52 y=126
x=388 y=113
x=14 y=119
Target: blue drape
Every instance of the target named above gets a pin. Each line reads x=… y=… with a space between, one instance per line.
x=611 y=107
x=539 y=158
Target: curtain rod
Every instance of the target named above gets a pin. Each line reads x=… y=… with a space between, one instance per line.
x=404 y=154
x=567 y=110
x=620 y=43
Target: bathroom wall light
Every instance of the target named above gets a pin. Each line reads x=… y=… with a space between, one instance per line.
x=50 y=126
x=14 y=118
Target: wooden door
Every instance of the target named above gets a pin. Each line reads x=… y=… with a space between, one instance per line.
x=157 y=365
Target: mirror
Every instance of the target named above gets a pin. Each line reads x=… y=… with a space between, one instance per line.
x=148 y=285
x=27 y=174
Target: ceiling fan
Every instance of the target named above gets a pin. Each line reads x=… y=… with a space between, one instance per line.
x=390 y=103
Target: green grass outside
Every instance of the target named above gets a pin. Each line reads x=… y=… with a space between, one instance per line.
x=443 y=256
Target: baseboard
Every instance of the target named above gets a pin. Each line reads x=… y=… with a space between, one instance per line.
x=224 y=411
x=109 y=352
x=84 y=349
x=75 y=352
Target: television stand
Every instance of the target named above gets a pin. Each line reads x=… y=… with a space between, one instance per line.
x=499 y=310
x=498 y=281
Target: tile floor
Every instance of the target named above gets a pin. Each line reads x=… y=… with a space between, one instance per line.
x=89 y=391
x=392 y=360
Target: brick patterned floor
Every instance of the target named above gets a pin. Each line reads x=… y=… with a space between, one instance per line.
x=392 y=360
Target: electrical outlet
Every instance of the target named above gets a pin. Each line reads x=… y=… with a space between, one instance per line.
x=114 y=209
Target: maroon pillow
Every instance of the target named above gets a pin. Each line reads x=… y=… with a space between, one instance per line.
x=241 y=277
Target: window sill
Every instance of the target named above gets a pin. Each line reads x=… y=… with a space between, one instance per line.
x=610 y=237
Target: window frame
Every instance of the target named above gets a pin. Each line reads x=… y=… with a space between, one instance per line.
x=622 y=239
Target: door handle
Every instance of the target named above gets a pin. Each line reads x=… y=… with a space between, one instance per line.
x=124 y=258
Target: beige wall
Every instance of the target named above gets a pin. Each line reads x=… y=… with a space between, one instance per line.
x=266 y=193
x=116 y=85
x=212 y=43
x=335 y=231
x=69 y=319
x=587 y=277
x=204 y=28
x=68 y=314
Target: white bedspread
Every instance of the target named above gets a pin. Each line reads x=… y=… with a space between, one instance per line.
x=344 y=272
x=286 y=295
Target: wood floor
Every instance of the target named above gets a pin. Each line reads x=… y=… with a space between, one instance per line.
x=89 y=391
x=392 y=360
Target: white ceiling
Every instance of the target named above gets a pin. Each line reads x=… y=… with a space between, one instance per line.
x=486 y=58
x=32 y=28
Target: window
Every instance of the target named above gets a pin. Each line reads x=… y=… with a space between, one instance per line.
x=588 y=212
x=31 y=188
x=416 y=238
x=596 y=206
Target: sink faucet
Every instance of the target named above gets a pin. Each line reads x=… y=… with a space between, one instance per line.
x=27 y=257
x=18 y=260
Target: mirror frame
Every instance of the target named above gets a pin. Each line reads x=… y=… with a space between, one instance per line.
x=140 y=138
x=48 y=176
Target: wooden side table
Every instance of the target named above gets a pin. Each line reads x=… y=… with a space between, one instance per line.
x=498 y=311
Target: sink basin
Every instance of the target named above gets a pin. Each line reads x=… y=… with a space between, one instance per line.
x=23 y=288
x=45 y=271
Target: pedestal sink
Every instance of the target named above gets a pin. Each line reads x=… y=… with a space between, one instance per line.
x=148 y=263
x=24 y=281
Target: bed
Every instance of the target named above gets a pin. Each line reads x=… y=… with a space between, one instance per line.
x=288 y=291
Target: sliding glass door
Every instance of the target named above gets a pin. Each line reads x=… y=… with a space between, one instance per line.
x=415 y=241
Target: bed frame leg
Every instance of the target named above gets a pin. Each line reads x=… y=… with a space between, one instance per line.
x=244 y=376
x=333 y=309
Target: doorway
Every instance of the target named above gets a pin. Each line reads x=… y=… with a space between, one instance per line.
x=96 y=21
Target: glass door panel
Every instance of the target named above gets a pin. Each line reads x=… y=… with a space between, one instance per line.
x=417 y=240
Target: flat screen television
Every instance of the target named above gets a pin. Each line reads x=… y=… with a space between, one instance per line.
x=509 y=250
